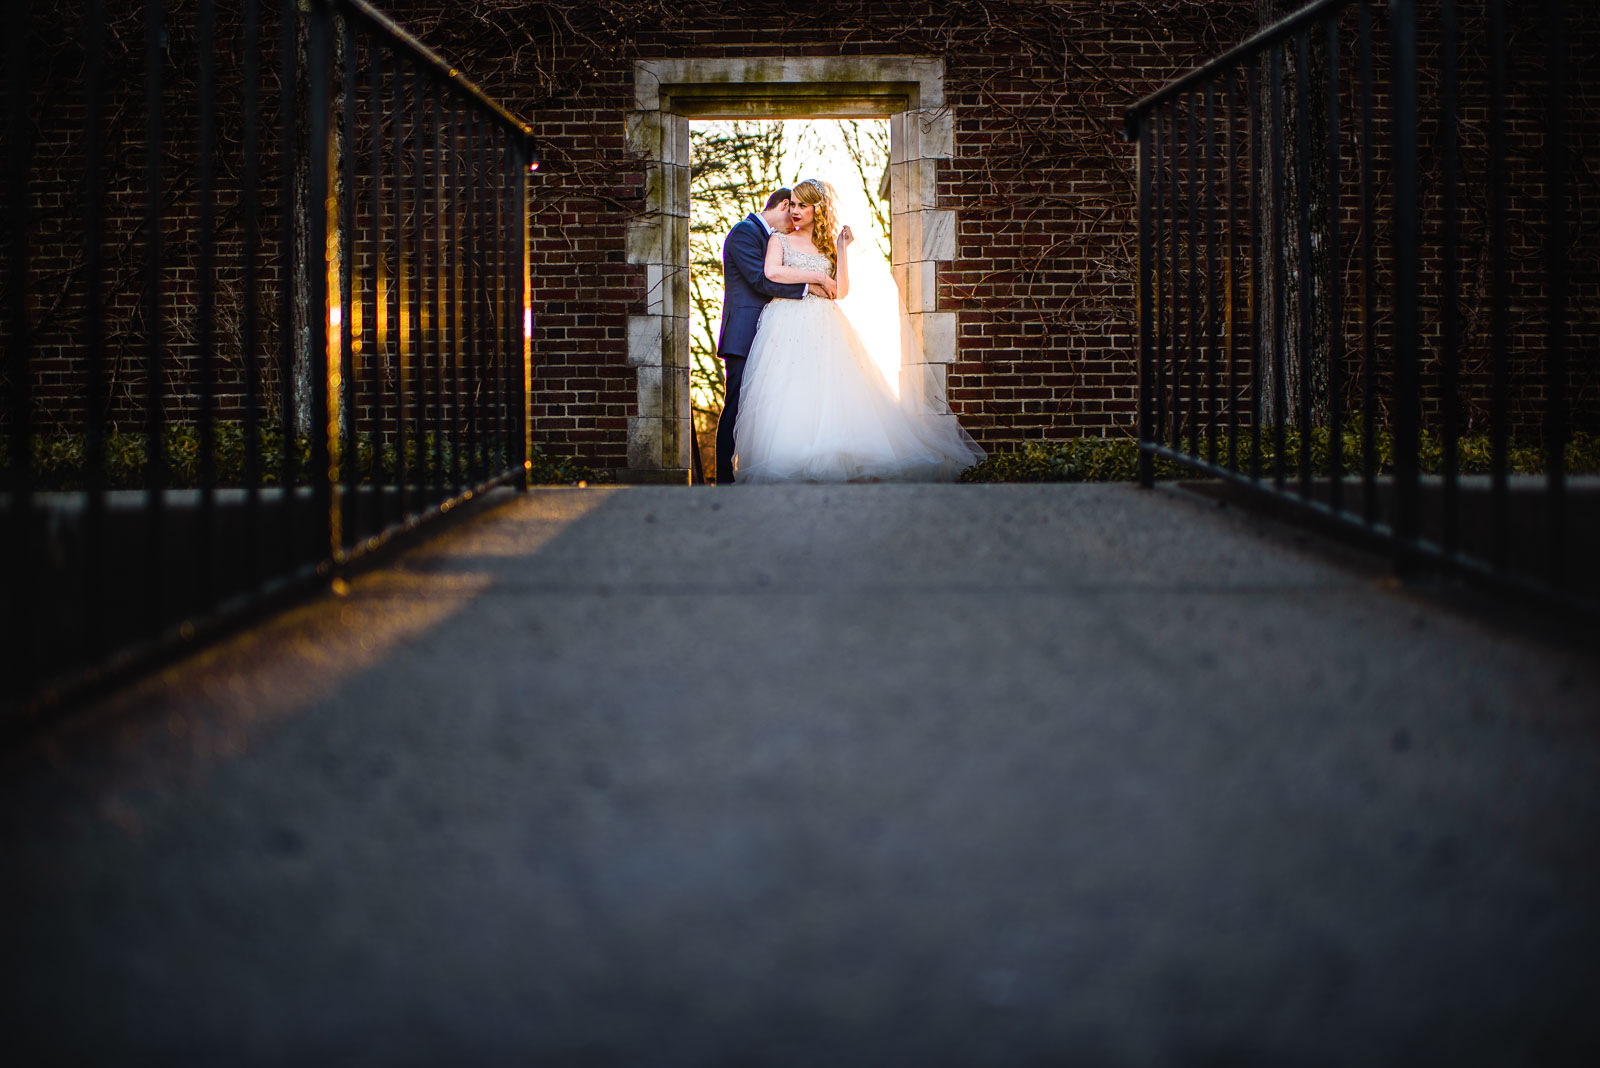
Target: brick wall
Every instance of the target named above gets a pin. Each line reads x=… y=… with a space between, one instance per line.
x=1042 y=282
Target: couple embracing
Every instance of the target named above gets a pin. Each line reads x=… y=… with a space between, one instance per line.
x=805 y=402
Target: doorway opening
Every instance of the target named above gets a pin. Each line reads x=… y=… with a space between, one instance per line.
x=734 y=164
x=906 y=92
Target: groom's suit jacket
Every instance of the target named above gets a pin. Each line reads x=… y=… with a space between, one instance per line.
x=746 y=287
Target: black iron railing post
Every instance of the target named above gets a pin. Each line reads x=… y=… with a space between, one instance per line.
x=1305 y=287
x=523 y=328
x=155 y=465
x=1369 y=271
x=250 y=333
x=1142 y=135
x=203 y=560
x=17 y=543
x=319 y=205
x=1450 y=285
x=358 y=406
x=293 y=259
x=1334 y=279
x=94 y=399
x=1213 y=316
x=1278 y=268
x=1499 y=295
x=1556 y=240
x=1376 y=327
x=1407 y=254
x=346 y=394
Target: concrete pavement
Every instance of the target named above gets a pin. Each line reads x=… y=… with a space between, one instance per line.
x=869 y=775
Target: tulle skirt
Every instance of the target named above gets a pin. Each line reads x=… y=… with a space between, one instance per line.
x=815 y=408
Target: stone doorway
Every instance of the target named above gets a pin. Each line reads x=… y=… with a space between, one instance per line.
x=667 y=94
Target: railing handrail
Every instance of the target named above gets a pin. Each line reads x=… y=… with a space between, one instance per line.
x=1284 y=28
x=382 y=24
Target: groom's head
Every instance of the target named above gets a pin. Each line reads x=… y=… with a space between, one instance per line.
x=776 y=212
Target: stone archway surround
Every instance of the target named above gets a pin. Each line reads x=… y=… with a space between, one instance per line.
x=907 y=90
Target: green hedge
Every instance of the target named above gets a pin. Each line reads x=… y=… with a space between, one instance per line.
x=1117 y=459
x=60 y=460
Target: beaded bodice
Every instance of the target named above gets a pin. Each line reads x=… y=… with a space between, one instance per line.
x=806 y=261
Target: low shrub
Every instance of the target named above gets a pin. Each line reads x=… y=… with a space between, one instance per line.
x=60 y=461
x=1117 y=459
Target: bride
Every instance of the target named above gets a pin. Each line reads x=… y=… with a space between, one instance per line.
x=813 y=406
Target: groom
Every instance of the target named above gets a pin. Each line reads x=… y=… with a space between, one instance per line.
x=745 y=291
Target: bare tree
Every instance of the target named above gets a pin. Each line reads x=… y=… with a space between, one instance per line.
x=1301 y=186
x=867 y=144
x=734 y=165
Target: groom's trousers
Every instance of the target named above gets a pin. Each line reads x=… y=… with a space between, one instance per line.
x=733 y=376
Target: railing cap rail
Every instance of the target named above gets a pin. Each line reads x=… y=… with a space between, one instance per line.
x=1266 y=38
x=383 y=25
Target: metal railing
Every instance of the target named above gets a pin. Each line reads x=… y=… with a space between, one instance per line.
x=1357 y=238
x=254 y=328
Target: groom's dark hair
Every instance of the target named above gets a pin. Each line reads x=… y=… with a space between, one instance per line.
x=778 y=197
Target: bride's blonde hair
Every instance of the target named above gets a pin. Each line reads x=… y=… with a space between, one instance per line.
x=824 y=227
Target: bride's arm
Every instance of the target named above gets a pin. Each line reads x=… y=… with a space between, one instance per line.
x=841 y=281
x=777 y=272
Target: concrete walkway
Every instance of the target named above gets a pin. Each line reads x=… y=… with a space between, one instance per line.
x=869 y=775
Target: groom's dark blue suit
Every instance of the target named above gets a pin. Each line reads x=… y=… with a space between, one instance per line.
x=745 y=291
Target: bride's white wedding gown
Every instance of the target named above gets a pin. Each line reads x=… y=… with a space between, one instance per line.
x=815 y=408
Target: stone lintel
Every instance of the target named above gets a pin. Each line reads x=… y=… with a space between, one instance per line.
x=663 y=83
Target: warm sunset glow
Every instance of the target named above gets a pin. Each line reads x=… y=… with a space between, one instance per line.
x=873 y=304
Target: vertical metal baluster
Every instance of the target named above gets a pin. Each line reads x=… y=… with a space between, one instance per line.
x=1232 y=276
x=1556 y=239
x=375 y=293
x=250 y=325
x=1499 y=293
x=506 y=171
x=524 y=320
x=493 y=424
x=453 y=250
x=445 y=344
x=489 y=317
x=348 y=402
x=155 y=467
x=1306 y=287
x=1335 y=279
x=1279 y=309
x=441 y=259
x=94 y=198
x=1258 y=269
x=1146 y=137
x=1174 y=311
x=319 y=51
x=204 y=561
x=1213 y=317
x=422 y=318
x=293 y=254
x=1407 y=257
x=494 y=175
x=1450 y=283
x=1369 y=271
x=472 y=249
x=20 y=551
x=404 y=317
x=1158 y=173
x=1193 y=295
